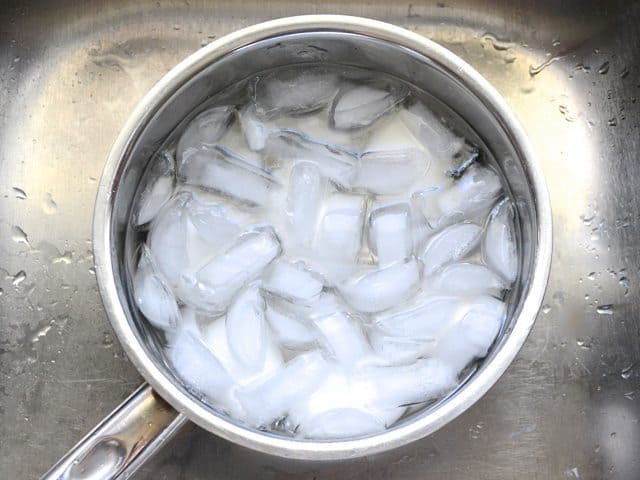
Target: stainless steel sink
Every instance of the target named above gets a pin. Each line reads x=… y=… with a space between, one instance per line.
x=569 y=406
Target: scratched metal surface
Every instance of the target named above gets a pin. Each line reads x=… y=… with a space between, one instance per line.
x=569 y=407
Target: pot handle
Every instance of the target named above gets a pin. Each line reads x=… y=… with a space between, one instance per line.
x=123 y=441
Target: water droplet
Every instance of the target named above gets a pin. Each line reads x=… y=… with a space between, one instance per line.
x=65 y=258
x=591 y=276
x=566 y=113
x=612 y=122
x=624 y=282
x=41 y=332
x=497 y=44
x=581 y=67
x=18 y=235
x=573 y=473
x=555 y=43
x=626 y=372
x=510 y=59
x=92 y=270
x=584 y=344
x=624 y=73
x=176 y=27
x=93 y=179
x=535 y=70
x=622 y=222
x=476 y=430
x=19 y=193
x=605 y=309
x=18 y=278
x=49 y=206
x=596 y=449
x=630 y=395
x=558 y=298
x=527 y=89
x=586 y=296
x=1 y=292
x=107 y=341
x=613 y=434
x=16 y=59
x=587 y=219
x=546 y=308
x=604 y=68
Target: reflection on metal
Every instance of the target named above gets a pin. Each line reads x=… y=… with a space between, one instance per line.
x=123 y=441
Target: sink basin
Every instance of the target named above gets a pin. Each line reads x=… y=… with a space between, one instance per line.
x=569 y=405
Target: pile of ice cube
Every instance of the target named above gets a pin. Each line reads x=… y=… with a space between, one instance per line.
x=324 y=255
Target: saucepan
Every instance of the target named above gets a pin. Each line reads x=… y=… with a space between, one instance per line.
x=156 y=410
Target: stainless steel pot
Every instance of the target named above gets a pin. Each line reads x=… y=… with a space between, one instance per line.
x=144 y=421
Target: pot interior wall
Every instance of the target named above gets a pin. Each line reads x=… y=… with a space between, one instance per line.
x=311 y=48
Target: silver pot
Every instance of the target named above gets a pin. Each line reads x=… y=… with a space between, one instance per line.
x=144 y=421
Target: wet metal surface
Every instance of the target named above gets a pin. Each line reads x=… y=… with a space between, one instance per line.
x=568 y=408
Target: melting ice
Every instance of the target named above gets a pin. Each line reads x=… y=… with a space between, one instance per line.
x=320 y=250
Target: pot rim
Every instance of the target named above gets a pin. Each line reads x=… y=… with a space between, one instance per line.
x=415 y=429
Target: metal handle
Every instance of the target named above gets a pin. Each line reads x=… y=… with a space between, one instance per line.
x=123 y=441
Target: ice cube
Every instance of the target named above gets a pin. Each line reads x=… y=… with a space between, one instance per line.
x=294 y=91
x=341 y=423
x=430 y=131
x=208 y=230
x=167 y=239
x=342 y=336
x=499 y=248
x=199 y=198
x=325 y=304
x=255 y=131
x=339 y=389
x=388 y=172
x=153 y=200
x=304 y=199
x=391 y=133
x=381 y=289
x=472 y=336
x=198 y=366
x=157 y=190
x=241 y=263
x=290 y=330
x=396 y=350
x=153 y=297
x=403 y=385
x=286 y=145
x=317 y=127
x=186 y=235
x=205 y=129
x=450 y=245
x=423 y=320
x=425 y=201
x=390 y=237
x=340 y=232
x=472 y=194
x=272 y=398
x=292 y=281
x=189 y=320
x=466 y=279
x=246 y=327
x=235 y=139
x=215 y=334
x=221 y=170
x=362 y=105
